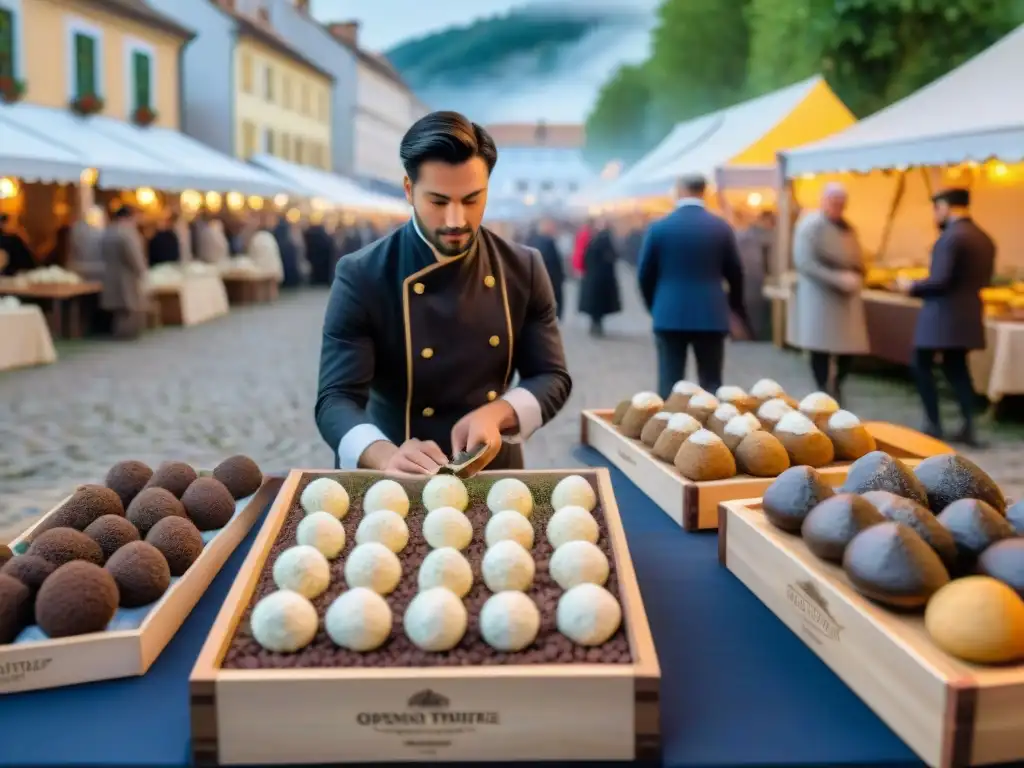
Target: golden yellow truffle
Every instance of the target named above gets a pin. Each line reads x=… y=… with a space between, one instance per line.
x=977 y=619
x=703 y=456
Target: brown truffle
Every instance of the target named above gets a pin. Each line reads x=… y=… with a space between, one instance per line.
x=913 y=515
x=792 y=496
x=679 y=427
x=174 y=476
x=111 y=533
x=642 y=407
x=87 y=503
x=30 y=570
x=620 y=412
x=949 y=477
x=831 y=525
x=5 y=554
x=892 y=565
x=15 y=608
x=1004 y=560
x=1015 y=516
x=140 y=572
x=878 y=471
x=179 y=541
x=240 y=475
x=208 y=504
x=701 y=406
x=151 y=506
x=703 y=456
x=62 y=545
x=803 y=441
x=762 y=455
x=974 y=526
x=850 y=438
x=78 y=598
x=652 y=429
x=127 y=478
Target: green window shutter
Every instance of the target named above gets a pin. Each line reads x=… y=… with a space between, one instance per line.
x=142 y=77
x=85 y=66
x=7 y=48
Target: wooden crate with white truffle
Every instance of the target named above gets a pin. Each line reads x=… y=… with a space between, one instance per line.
x=694 y=426
x=492 y=619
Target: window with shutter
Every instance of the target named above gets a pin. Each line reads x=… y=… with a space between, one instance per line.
x=7 y=49
x=85 y=65
x=142 y=73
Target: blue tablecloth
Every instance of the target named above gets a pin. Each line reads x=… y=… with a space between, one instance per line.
x=738 y=688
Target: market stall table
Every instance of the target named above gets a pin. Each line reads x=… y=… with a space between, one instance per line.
x=64 y=301
x=25 y=339
x=250 y=287
x=738 y=688
x=193 y=300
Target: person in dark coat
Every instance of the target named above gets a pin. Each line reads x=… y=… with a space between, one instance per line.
x=289 y=253
x=164 y=246
x=19 y=256
x=599 y=286
x=951 y=321
x=684 y=260
x=320 y=252
x=542 y=238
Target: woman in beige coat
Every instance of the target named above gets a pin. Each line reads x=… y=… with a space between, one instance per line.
x=827 y=312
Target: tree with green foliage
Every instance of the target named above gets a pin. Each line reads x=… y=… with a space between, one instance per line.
x=618 y=124
x=775 y=59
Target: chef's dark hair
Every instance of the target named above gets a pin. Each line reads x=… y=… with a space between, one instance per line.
x=446 y=137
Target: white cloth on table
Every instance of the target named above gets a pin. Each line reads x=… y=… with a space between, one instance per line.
x=25 y=338
x=998 y=370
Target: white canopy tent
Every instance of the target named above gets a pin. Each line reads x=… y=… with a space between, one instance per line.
x=975 y=112
x=25 y=155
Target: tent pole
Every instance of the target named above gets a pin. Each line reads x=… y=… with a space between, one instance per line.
x=901 y=187
x=782 y=257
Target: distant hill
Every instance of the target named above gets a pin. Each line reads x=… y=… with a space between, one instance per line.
x=533 y=63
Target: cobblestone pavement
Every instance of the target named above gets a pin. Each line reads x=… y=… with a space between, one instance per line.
x=247 y=383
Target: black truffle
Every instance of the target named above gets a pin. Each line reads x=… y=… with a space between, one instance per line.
x=15 y=608
x=891 y=564
x=209 y=504
x=878 y=471
x=179 y=541
x=1004 y=560
x=924 y=523
x=1015 y=515
x=949 y=477
x=5 y=554
x=140 y=572
x=87 y=503
x=174 y=476
x=127 y=478
x=111 y=533
x=62 y=545
x=792 y=496
x=240 y=475
x=30 y=570
x=78 y=598
x=974 y=526
x=831 y=525
x=151 y=506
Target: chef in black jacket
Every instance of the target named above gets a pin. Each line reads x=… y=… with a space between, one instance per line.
x=426 y=327
x=951 y=321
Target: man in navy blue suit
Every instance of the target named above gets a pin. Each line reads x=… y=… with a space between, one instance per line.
x=684 y=261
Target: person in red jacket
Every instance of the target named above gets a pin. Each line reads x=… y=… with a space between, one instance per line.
x=580 y=248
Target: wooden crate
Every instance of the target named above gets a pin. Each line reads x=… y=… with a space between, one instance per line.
x=694 y=506
x=107 y=655
x=533 y=712
x=949 y=712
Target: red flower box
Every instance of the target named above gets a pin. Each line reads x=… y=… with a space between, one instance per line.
x=11 y=90
x=143 y=116
x=89 y=104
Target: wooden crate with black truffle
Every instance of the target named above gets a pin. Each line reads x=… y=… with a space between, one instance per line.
x=911 y=590
x=384 y=620
x=100 y=584
x=689 y=461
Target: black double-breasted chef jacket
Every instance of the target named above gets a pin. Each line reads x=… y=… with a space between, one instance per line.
x=414 y=341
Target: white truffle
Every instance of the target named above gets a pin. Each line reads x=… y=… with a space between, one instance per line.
x=509 y=524
x=384 y=526
x=359 y=620
x=445 y=491
x=704 y=400
x=686 y=388
x=843 y=420
x=325 y=495
x=572 y=524
x=588 y=614
x=726 y=411
x=447 y=527
x=435 y=620
x=773 y=410
x=284 y=622
x=509 y=621
x=682 y=422
x=323 y=531
x=704 y=437
x=576 y=491
x=662 y=415
x=578 y=562
x=302 y=569
x=729 y=393
x=742 y=425
x=446 y=567
x=647 y=400
x=374 y=566
x=766 y=389
x=510 y=493
x=386 y=494
x=819 y=402
x=507 y=566
x=795 y=423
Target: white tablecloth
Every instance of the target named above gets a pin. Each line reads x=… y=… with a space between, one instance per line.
x=998 y=371
x=25 y=338
x=202 y=297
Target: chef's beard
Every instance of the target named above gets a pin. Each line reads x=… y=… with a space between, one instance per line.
x=435 y=238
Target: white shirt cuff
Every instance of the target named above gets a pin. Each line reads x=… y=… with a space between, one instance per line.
x=528 y=412
x=355 y=442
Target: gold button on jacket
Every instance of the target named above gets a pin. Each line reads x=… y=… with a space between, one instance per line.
x=427 y=353
x=495 y=341
x=428 y=411
x=419 y=288
x=492 y=395
x=489 y=281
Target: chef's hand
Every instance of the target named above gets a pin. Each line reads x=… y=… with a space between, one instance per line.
x=416 y=457
x=483 y=426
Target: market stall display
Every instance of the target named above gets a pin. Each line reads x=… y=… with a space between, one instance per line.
x=189 y=294
x=246 y=283
x=439 y=621
x=59 y=292
x=25 y=338
x=907 y=583
x=100 y=584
